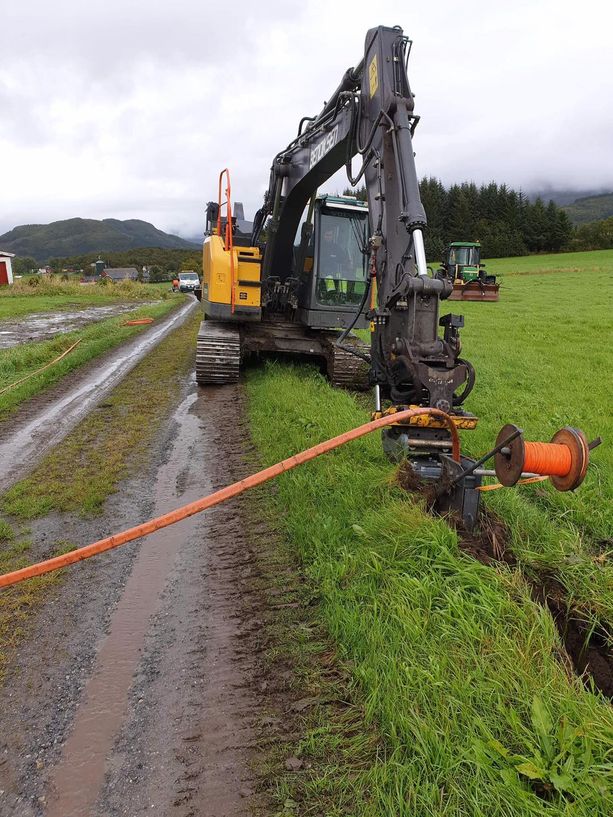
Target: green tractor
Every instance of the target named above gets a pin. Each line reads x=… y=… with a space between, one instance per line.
x=462 y=263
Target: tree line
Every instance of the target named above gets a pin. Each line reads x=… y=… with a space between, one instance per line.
x=596 y=235
x=161 y=263
x=503 y=220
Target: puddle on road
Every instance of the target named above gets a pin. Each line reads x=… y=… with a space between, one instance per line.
x=79 y=775
x=46 y=325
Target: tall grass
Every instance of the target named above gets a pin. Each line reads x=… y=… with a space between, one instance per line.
x=56 y=286
x=52 y=294
x=451 y=658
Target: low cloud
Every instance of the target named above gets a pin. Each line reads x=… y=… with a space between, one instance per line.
x=131 y=110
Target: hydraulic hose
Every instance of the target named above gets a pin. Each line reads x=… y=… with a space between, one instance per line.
x=224 y=494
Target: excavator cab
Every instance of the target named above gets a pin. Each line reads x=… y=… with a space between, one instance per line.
x=330 y=261
x=462 y=263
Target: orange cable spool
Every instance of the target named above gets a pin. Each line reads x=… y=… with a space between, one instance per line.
x=547 y=458
x=564 y=460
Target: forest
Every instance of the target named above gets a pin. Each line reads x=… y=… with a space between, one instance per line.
x=505 y=221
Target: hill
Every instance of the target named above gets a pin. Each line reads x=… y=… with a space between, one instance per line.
x=590 y=208
x=561 y=196
x=81 y=235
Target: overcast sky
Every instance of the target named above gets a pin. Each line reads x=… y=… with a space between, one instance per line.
x=129 y=108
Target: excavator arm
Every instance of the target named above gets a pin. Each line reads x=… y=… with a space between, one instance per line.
x=370 y=115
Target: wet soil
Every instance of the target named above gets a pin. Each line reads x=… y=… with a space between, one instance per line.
x=489 y=542
x=46 y=419
x=134 y=690
x=588 y=648
x=46 y=325
x=186 y=740
x=586 y=643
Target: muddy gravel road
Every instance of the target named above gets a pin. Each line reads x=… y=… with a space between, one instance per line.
x=48 y=418
x=133 y=691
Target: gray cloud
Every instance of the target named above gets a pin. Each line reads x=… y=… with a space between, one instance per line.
x=112 y=109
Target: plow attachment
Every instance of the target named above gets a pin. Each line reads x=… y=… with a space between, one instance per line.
x=474 y=291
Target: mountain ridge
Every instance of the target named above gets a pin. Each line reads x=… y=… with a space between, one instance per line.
x=590 y=208
x=76 y=236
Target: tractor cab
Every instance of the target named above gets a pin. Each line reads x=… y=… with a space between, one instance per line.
x=464 y=258
x=462 y=263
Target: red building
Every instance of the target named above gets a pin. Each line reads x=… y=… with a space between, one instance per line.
x=6 y=270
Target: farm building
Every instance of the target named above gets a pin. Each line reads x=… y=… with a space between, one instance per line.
x=6 y=270
x=120 y=273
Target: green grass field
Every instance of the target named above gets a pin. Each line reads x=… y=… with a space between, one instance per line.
x=461 y=672
x=585 y=262
x=543 y=361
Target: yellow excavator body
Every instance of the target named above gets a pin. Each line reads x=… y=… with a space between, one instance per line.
x=246 y=316
x=231 y=286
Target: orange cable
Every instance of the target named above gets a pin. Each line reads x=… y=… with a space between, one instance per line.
x=550 y=459
x=139 y=322
x=526 y=481
x=222 y=495
x=42 y=368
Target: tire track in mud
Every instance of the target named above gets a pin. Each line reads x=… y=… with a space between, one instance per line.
x=79 y=775
x=135 y=687
x=185 y=746
x=176 y=736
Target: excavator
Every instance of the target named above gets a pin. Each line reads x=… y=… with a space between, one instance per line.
x=282 y=289
x=255 y=304
x=312 y=268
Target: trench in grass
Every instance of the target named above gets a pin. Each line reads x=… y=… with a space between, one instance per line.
x=541 y=363
x=586 y=641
